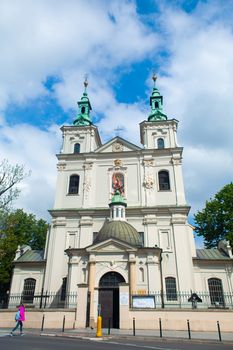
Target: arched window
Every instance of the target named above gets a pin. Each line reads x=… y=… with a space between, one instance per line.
x=111 y=279
x=160 y=143
x=29 y=290
x=77 y=148
x=83 y=110
x=170 y=283
x=164 y=183
x=74 y=184
x=216 y=291
x=156 y=104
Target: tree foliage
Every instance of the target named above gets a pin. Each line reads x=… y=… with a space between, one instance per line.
x=18 y=228
x=10 y=176
x=215 y=221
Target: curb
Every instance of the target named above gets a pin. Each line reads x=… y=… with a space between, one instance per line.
x=144 y=338
x=105 y=337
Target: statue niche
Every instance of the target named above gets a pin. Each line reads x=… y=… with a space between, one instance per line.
x=118 y=183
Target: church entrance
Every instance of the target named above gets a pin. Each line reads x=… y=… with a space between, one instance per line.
x=109 y=299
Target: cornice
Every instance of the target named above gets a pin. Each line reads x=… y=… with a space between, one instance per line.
x=100 y=212
x=213 y=261
x=125 y=154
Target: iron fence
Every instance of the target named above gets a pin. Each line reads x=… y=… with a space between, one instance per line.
x=181 y=300
x=40 y=301
x=151 y=300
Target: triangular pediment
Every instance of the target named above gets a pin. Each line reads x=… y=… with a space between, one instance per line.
x=111 y=245
x=117 y=144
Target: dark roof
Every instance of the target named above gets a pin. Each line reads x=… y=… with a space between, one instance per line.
x=211 y=254
x=32 y=256
x=121 y=230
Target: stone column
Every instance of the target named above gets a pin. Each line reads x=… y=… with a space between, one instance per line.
x=56 y=267
x=183 y=255
x=91 y=286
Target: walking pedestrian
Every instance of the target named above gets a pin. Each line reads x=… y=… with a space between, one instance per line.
x=19 y=318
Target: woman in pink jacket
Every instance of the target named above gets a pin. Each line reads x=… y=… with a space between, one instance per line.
x=20 y=318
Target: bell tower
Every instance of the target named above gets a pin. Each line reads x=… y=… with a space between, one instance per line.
x=158 y=132
x=83 y=117
x=82 y=136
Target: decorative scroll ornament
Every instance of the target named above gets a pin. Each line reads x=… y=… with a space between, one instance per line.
x=118 y=162
x=113 y=265
x=117 y=147
x=87 y=180
x=176 y=161
x=148 y=182
x=61 y=166
x=148 y=162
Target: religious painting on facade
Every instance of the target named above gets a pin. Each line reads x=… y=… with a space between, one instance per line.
x=118 y=183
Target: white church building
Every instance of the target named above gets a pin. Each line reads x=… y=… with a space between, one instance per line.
x=119 y=236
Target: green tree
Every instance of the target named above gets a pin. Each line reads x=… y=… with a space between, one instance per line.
x=18 y=228
x=10 y=176
x=215 y=221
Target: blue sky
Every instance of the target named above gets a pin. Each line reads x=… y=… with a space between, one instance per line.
x=48 y=46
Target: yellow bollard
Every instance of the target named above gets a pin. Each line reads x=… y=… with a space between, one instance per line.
x=99 y=327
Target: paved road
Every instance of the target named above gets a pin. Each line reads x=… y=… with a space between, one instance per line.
x=34 y=342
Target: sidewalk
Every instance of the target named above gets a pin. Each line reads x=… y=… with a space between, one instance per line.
x=123 y=334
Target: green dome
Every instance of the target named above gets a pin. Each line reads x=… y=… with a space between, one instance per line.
x=121 y=230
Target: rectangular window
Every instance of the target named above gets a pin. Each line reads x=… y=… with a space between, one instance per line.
x=73 y=184
x=171 y=293
x=141 y=234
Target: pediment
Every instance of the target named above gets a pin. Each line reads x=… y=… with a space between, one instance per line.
x=111 y=245
x=117 y=144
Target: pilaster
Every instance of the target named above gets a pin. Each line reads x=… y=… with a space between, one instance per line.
x=85 y=224
x=81 y=311
x=124 y=302
x=91 y=288
x=132 y=273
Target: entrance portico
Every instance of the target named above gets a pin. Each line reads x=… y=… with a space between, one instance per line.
x=109 y=298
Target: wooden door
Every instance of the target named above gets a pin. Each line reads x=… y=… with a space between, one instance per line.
x=106 y=302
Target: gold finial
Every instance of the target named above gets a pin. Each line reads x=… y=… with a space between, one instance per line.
x=154 y=78
x=85 y=81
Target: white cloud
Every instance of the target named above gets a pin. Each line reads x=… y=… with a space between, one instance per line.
x=44 y=38
x=198 y=91
x=63 y=39
x=35 y=149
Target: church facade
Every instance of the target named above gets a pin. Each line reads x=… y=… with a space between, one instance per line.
x=119 y=233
